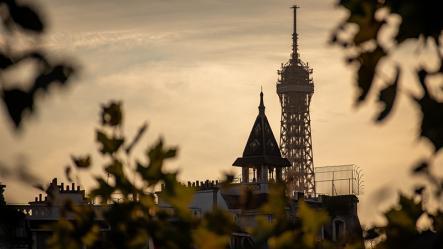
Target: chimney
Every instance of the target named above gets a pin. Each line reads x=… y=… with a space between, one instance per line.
x=62 y=187
x=299 y=195
x=73 y=187
x=39 y=197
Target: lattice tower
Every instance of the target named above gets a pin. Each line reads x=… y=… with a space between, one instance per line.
x=295 y=88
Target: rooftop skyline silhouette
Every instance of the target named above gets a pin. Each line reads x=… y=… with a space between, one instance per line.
x=191 y=70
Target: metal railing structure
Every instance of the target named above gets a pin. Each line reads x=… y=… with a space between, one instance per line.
x=339 y=180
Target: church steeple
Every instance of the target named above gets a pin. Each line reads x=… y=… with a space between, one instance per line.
x=261 y=152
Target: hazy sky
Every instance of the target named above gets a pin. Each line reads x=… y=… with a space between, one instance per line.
x=193 y=70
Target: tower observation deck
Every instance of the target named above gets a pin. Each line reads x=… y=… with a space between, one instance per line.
x=295 y=88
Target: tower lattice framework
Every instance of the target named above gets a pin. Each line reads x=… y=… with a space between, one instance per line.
x=295 y=88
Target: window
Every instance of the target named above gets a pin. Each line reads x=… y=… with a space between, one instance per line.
x=338 y=229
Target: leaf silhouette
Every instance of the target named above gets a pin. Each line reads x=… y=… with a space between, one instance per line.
x=368 y=62
x=26 y=17
x=109 y=145
x=387 y=97
x=82 y=162
x=111 y=114
x=421 y=167
x=17 y=103
x=137 y=137
x=68 y=173
x=5 y=61
x=432 y=114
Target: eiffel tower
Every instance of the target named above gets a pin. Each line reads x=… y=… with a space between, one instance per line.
x=295 y=88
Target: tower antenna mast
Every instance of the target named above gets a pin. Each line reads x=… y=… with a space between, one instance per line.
x=295 y=88
x=295 y=55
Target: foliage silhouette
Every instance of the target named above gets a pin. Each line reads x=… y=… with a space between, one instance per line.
x=23 y=19
x=368 y=48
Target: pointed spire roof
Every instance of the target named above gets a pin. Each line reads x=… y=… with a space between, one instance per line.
x=261 y=148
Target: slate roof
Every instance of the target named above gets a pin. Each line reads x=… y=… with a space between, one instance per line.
x=261 y=148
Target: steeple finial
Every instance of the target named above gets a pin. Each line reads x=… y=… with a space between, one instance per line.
x=261 y=107
x=295 y=55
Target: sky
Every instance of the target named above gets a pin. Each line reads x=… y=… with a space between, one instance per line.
x=193 y=70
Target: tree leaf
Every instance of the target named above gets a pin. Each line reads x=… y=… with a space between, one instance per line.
x=104 y=190
x=368 y=31
x=371 y=234
x=387 y=97
x=137 y=137
x=108 y=145
x=312 y=221
x=419 y=190
x=26 y=17
x=17 y=103
x=68 y=173
x=366 y=72
x=153 y=172
x=177 y=195
x=58 y=74
x=422 y=167
x=418 y=18
x=116 y=169
x=5 y=61
x=206 y=239
x=82 y=162
x=432 y=114
x=111 y=114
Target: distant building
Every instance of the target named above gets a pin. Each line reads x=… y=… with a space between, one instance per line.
x=31 y=230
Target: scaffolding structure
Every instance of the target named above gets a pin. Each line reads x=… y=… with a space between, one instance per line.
x=339 y=180
x=295 y=88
